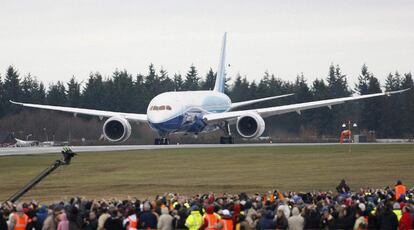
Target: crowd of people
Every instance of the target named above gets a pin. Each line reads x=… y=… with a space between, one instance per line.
x=385 y=208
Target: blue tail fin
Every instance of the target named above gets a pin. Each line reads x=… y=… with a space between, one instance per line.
x=220 y=80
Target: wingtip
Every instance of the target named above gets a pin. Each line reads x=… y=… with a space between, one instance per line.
x=14 y=102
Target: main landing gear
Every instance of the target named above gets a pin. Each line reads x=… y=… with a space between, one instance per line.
x=228 y=139
x=162 y=141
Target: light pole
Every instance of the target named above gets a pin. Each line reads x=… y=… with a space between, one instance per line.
x=47 y=138
x=350 y=124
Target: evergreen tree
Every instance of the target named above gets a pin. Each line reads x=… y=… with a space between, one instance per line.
x=93 y=95
x=56 y=94
x=178 y=82
x=369 y=109
x=191 y=81
x=208 y=84
x=363 y=79
x=391 y=119
x=241 y=90
x=166 y=84
x=321 y=116
x=2 y=102
x=122 y=91
x=32 y=90
x=407 y=113
x=152 y=83
x=12 y=90
x=140 y=102
x=73 y=93
x=40 y=95
x=338 y=86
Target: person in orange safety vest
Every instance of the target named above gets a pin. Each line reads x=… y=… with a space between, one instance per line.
x=19 y=219
x=211 y=219
x=400 y=189
x=226 y=221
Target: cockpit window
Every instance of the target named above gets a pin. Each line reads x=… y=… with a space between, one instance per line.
x=168 y=107
x=155 y=108
x=162 y=107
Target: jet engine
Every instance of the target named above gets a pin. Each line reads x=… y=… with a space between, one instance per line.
x=250 y=125
x=117 y=129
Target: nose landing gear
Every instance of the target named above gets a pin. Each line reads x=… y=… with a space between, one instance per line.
x=162 y=141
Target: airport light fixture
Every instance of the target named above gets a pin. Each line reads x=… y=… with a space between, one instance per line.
x=350 y=125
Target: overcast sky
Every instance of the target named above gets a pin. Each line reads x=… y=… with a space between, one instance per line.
x=54 y=40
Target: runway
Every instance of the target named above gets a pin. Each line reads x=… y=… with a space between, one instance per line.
x=12 y=151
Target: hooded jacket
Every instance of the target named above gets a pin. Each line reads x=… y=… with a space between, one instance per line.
x=165 y=222
x=296 y=221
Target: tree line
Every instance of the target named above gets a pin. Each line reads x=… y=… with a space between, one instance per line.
x=387 y=117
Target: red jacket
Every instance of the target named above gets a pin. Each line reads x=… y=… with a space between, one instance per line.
x=405 y=222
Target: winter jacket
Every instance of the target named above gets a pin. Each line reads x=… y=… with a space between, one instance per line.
x=312 y=220
x=113 y=223
x=194 y=221
x=406 y=222
x=49 y=223
x=266 y=222
x=148 y=219
x=165 y=222
x=296 y=221
x=388 y=220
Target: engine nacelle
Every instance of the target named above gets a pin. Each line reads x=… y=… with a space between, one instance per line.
x=250 y=125
x=117 y=129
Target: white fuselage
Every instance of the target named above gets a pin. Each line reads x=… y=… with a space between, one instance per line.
x=182 y=112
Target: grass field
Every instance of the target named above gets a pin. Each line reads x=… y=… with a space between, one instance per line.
x=146 y=173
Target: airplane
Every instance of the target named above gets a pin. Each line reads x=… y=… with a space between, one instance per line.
x=22 y=143
x=193 y=112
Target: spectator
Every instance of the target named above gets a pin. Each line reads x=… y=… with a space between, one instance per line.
x=114 y=222
x=388 y=219
x=50 y=222
x=312 y=218
x=226 y=221
x=103 y=217
x=406 y=220
x=343 y=188
x=296 y=221
x=3 y=222
x=63 y=223
x=165 y=222
x=91 y=222
x=281 y=221
x=259 y=211
x=147 y=218
x=266 y=220
x=194 y=221
x=210 y=219
x=19 y=219
x=360 y=222
x=131 y=221
x=327 y=220
x=400 y=189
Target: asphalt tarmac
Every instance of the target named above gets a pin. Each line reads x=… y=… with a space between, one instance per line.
x=10 y=151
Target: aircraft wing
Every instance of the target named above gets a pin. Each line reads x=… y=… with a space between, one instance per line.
x=243 y=103
x=271 y=111
x=92 y=112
